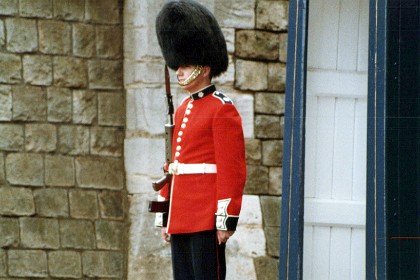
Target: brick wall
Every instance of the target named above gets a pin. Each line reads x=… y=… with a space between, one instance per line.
x=62 y=118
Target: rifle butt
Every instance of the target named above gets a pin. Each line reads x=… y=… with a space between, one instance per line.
x=159 y=184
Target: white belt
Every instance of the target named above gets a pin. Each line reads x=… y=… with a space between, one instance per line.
x=195 y=168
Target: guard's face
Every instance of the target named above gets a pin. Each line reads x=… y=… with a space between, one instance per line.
x=193 y=77
x=183 y=72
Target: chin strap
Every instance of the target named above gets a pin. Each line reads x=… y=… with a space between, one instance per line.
x=193 y=76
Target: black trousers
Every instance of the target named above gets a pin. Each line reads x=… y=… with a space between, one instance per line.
x=197 y=256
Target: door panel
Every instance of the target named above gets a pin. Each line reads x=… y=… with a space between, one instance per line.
x=335 y=140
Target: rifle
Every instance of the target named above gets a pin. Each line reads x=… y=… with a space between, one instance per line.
x=163 y=206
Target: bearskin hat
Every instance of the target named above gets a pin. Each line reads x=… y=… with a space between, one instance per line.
x=189 y=34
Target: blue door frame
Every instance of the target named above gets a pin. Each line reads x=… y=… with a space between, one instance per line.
x=291 y=228
x=375 y=173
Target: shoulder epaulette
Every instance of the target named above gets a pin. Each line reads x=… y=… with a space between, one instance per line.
x=222 y=97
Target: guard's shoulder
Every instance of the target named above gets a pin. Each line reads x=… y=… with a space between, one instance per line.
x=222 y=97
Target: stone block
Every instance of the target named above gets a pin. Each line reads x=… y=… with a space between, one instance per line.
x=28 y=263
x=144 y=106
x=105 y=74
x=229 y=34
x=251 y=215
x=25 y=169
x=144 y=242
x=107 y=141
x=144 y=150
x=9 y=233
x=251 y=75
x=245 y=105
x=11 y=68
x=83 y=204
x=100 y=173
x=109 y=41
x=16 y=201
x=272 y=235
x=111 y=108
x=248 y=242
x=254 y=44
x=59 y=171
x=272 y=152
x=267 y=127
x=54 y=37
x=22 y=35
x=276 y=77
x=37 y=70
x=275 y=180
x=65 y=264
x=40 y=137
x=272 y=15
x=51 y=202
x=256 y=179
x=143 y=36
x=266 y=268
x=5 y=102
x=109 y=12
x=150 y=267
x=253 y=151
x=2 y=173
x=84 y=43
x=39 y=233
x=77 y=234
x=104 y=264
x=59 y=104
x=141 y=184
x=70 y=72
x=227 y=78
x=269 y=103
x=73 y=10
x=270 y=206
x=3 y=263
x=111 y=204
x=240 y=267
x=84 y=106
x=39 y=8
x=73 y=140
x=283 y=47
x=11 y=137
x=110 y=235
x=241 y=14
x=2 y=35
x=24 y=98
x=144 y=72
x=149 y=10
x=9 y=7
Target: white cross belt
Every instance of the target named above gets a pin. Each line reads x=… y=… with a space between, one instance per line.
x=194 y=168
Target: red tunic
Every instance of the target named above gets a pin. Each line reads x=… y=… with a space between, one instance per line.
x=207 y=130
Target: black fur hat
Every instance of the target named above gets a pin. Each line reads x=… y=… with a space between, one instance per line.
x=188 y=34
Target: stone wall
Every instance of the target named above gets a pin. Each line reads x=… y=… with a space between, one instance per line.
x=255 y=31
x=260 y=53
x=62 y=120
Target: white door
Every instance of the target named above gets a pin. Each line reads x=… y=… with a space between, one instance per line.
x=335 y=145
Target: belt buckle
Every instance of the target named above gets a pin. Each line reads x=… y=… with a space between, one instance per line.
x=174 y=168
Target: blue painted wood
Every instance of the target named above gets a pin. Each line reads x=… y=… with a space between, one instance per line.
x=291 y=232
x=375 y=195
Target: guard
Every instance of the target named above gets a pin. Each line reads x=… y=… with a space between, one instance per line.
x=207 y=168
